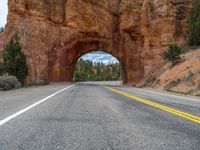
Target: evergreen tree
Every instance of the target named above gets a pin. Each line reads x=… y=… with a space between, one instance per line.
x=173 y=54
x=194 y=24
x=14 y=61
x=88 y=71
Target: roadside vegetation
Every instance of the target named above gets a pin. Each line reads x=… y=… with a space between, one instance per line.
x=88 y=71
x=194 y=24
x=8 y=82
x=174 y=51
x=173 y=54
x=13 y=67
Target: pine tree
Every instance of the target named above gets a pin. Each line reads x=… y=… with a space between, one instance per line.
x=194 y=24
x=88 y=71
x=14 y=61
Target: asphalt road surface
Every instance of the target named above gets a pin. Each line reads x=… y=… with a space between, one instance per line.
x=86 y=116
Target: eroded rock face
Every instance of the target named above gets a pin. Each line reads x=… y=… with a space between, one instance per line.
x=184 y=77
x=54 y=34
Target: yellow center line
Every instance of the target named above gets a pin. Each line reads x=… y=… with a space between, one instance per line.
x=157 y=105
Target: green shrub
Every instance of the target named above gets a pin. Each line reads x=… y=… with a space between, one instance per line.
x=14 y=61
x=2 y=69
x=194 y=24
x=197 y=94
x=172 y=84
x=173 y=54
x=9 y=82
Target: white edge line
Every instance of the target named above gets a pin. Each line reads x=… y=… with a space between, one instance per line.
x=2 y=122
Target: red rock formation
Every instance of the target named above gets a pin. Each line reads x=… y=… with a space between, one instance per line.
x=184 y=77
x=54 y=34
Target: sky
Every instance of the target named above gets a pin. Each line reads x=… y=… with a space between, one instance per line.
x=95 y=56
x=99 y=56
x=3 y=12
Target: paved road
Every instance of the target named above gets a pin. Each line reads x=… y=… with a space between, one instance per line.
x=92 y=117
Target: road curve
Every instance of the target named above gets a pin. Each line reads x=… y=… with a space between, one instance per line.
x=91 y=117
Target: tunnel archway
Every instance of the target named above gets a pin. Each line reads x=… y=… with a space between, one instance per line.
x=97 y=66
x=60 y=70
x=62 y=60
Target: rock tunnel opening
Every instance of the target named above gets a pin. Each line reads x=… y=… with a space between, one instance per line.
x=63 y=67
x=62 y=61
x=97 y=66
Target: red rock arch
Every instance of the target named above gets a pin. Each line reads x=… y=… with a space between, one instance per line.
x=63 y=61
x=54 y=34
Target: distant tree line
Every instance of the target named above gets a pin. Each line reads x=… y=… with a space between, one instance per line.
x=88 y=71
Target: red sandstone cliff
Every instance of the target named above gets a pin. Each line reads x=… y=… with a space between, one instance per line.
x=54 y=34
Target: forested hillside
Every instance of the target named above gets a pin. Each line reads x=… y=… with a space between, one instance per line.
x=88 y=71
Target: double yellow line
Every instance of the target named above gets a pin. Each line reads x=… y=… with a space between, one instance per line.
x=159 y=106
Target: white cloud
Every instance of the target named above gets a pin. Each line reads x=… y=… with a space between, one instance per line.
x=3 y=12
x=99 y=56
